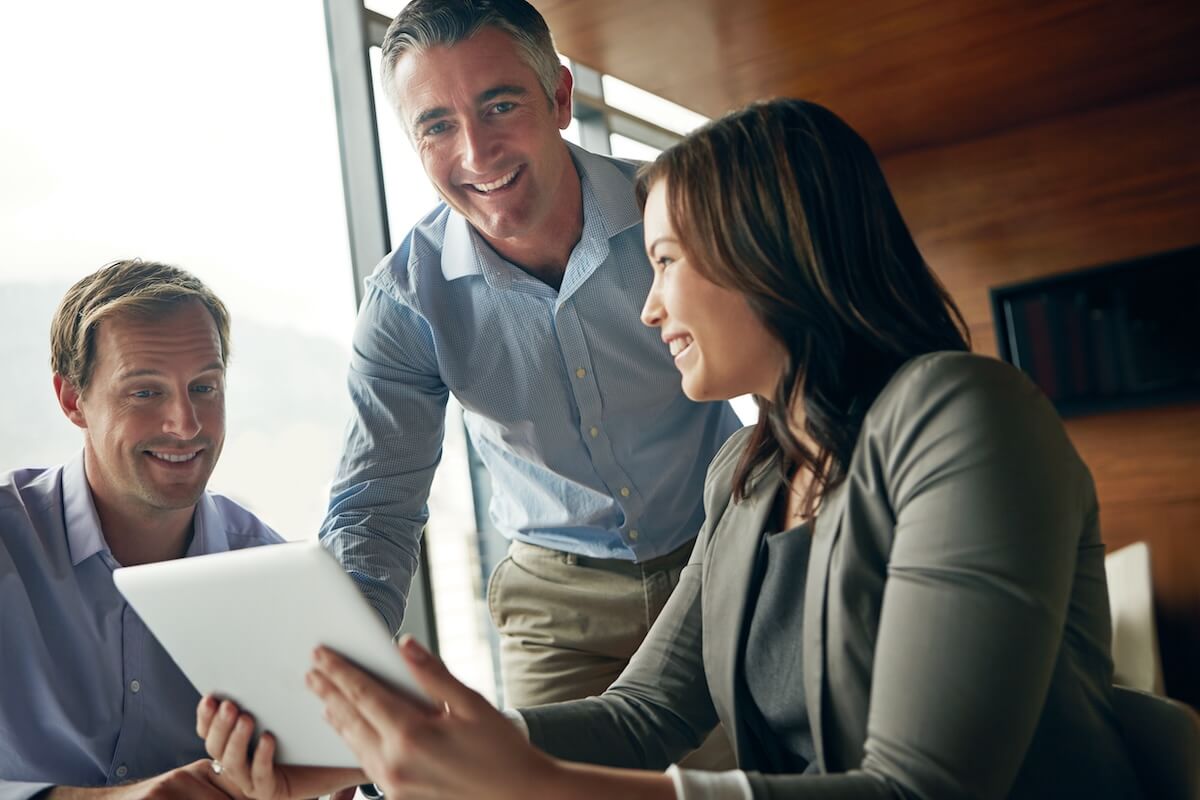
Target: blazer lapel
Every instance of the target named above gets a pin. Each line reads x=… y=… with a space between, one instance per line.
x=825 y=532
x=728 y=566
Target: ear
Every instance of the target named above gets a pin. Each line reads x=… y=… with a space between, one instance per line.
x=68 y=400
x=562 y=97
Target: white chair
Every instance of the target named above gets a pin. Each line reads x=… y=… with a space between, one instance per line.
x=1163 y=740
x=1135 y=655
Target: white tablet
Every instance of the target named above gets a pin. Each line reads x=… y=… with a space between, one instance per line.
x=244 y=624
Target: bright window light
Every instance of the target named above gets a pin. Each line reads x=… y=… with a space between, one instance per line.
x=624 y=147
x=389 y=8
x=746 y=407
x=650 y=107
x=168 y=131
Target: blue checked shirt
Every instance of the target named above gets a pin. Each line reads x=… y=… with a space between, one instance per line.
x=573 y=405
x=88 y=697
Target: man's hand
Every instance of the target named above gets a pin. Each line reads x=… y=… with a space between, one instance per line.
x=227 y=732
x=195 y=780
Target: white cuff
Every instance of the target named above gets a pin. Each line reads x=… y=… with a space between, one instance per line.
x=694 y=784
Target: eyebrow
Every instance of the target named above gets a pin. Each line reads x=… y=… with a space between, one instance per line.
x=661 y=240
x=484 y=96
x=215 y=366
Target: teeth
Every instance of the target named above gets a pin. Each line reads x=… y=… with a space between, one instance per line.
x=679 y=345
x=175 y=458
x=496 y=184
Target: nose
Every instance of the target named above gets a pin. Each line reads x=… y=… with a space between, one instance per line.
x=478 y=147
x=653 y=312
x=181 y=419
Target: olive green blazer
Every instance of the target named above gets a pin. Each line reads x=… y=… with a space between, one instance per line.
x=956 y=626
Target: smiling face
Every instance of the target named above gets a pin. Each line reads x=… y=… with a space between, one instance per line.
x=721 y=348
x=487 y=135
x=153 y=412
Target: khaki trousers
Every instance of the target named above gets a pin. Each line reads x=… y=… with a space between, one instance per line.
x=569 y=624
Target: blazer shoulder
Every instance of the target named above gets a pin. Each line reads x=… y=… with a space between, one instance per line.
x=950 y=408
x=961 y=382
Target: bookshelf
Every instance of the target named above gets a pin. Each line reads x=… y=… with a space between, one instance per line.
x=1105 y=338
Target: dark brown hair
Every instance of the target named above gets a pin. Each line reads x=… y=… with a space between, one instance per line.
x=784 y=202
x=139 y=288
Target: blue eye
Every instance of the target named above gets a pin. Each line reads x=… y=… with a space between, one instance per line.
x=436 y=128
x=203 y=389
x=503 y=107
x=144 y=394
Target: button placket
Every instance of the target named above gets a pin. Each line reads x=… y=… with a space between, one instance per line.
x=133 y=722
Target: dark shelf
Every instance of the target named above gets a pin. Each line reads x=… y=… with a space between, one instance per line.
x=1107 y=338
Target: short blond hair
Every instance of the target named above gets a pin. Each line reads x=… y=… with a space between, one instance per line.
x=143 y=289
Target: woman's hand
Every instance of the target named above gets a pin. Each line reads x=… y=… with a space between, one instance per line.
x=463 y=747
x=227 y=732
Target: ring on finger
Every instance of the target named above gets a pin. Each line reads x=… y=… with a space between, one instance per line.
x=216 y=766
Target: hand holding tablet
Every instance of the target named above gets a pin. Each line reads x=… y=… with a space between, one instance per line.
x=244 y=625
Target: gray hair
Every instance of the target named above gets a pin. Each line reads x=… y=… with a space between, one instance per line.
x=431 y=23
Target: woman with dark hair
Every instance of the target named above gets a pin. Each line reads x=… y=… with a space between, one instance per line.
x=952 y=636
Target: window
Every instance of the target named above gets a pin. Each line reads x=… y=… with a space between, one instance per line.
x=171 y=133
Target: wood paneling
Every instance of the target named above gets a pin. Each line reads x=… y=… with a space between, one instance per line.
x=1071 y=192
x=1022 y=138
x=1074 y=191
x=905 y=73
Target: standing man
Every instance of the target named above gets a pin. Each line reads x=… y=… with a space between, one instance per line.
x=520 y=294
x=91 y=705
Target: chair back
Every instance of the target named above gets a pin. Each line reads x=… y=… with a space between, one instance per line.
x=1162 y=737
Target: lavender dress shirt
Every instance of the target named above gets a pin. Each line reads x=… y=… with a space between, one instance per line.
x=88 y=697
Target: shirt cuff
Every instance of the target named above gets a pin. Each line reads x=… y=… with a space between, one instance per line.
x=15 y=790
x=694 y=784
x=518 y=721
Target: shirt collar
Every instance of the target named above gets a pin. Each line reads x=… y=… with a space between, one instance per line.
x=612 y=190
x=607 y=193
x=208 y=535
x=85 y=537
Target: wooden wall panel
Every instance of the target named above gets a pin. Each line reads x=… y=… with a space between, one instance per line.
x=1022 y=139
x=905 y=73
x=1066 y=193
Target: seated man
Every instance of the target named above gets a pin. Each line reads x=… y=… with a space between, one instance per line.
x=88 y=697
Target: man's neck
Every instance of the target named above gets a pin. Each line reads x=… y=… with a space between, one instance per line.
x=544 y=253
x=145 y=538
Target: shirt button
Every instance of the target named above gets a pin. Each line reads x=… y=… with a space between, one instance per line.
x=624 y=491
x=135 y=686
x=581 y=373
x=122 y=771
x=633 y=534
x=594 y=431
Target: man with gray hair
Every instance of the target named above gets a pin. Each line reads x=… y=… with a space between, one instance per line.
x=520 y=294
x=90 y=702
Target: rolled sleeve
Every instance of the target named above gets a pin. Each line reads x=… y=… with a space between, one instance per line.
x=377 y=505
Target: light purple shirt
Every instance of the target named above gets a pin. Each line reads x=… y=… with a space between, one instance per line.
x=88 y=697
